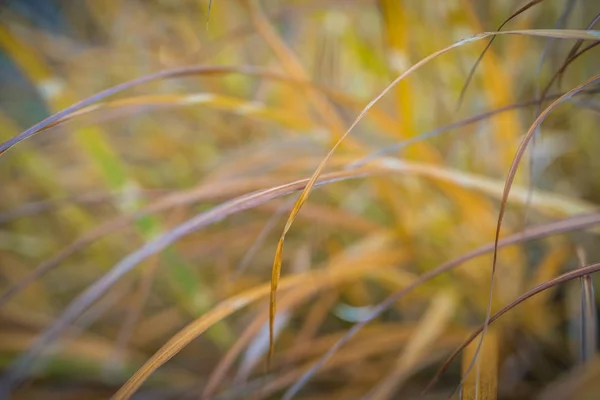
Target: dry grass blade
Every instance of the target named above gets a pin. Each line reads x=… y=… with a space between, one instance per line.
x=308 y=283
x=509 y=181
x=66 y=113
x=578 y=273
x=41 y=206
x=589 y=324
x=269 y=226
x=544 y=202
x=484 y=384
x=207 y=191
x=459 y=124
x=574 y=50
x=276 y=271
x=558 y=74
x=429 y=330
x=92 y=293
x=472 y=71
x=221 y=369
x=579 y=222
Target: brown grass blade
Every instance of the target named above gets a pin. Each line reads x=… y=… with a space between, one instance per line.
x=93 y=292
x=487 y=47
x=203 y=70
x=276 y=271
x=227 y=361
x=558 y=74
x=579 y=222
x=509 y=181
x=459 y=124
x=578 y=273
x=574 y=53
x=309 y=282
x=430 y=329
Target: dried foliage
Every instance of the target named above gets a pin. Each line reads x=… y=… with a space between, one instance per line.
x=430 y=166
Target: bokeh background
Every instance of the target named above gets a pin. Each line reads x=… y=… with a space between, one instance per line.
x=77 y=198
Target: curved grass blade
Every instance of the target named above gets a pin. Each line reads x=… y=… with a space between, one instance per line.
x=577 y=46
x=509 y=181
x=545 y=203
x=208 y=191
x=459 y=124
x=219 y=372
x=19 y=367
x=532 y=173
x=276 y=270
x=310 y=282
x=574 y=223
x=578 y=273
x=558 y=74
x=428 y=331
x=165 y=74
x=487 y=47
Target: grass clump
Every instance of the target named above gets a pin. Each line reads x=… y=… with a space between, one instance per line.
x=434 y=181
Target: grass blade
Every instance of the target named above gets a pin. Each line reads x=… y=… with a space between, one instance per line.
x=276 y=271
x=509 y=181
x=589 y=324
x=484 y=384
x=578 y=273
x=579 y=222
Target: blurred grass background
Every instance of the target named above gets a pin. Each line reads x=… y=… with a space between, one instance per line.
x=70 y=197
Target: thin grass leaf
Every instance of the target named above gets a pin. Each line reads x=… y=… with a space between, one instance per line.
x=587 y=270
x=165 y=74
x=509 y=181
x=484 y=384
x=429 y=330
x=474 y=67
x=218 y=373
x=558 y=74
x=574 y=50
x=276 y=271
x=589 y=324
x=309 y=282
x=532 y=173
x=544 y=202
x=574 y=223
x=459 y=124
x=93 y=292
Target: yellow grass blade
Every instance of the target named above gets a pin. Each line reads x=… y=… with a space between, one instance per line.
x=483 y=384
x=429 y=330
x=309 y=282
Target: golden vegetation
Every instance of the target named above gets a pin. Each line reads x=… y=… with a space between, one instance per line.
x=152 y=165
